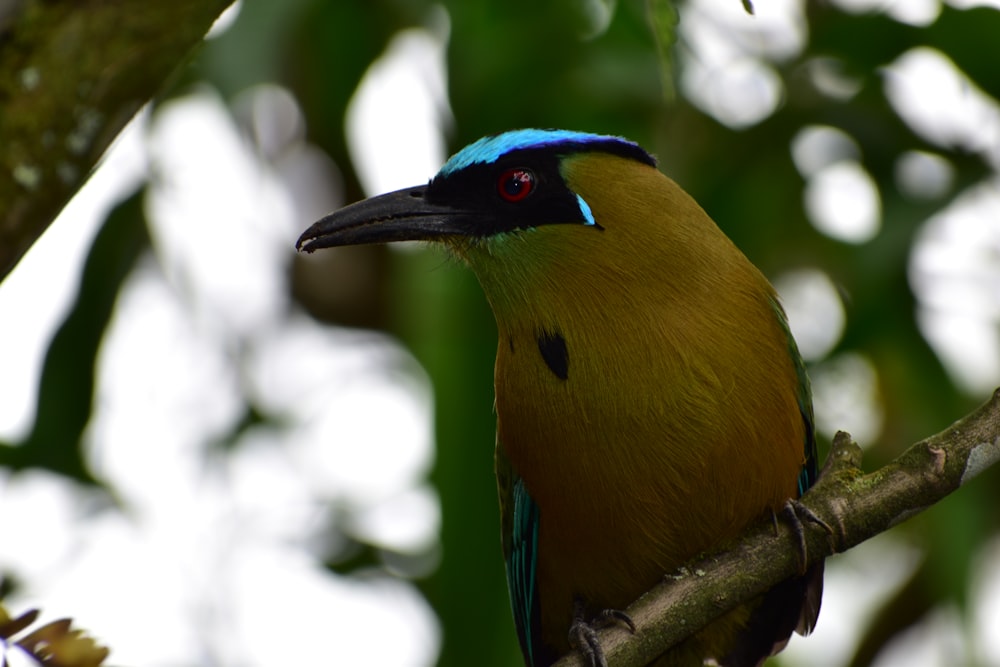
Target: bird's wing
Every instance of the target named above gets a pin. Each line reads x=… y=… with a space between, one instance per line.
x=519 y=517
x=812 y=581
x=794 y=603
x=809 y=472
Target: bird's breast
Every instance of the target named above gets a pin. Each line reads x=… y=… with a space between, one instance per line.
x=643 y=445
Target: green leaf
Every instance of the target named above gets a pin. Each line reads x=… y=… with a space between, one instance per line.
x=66 y=388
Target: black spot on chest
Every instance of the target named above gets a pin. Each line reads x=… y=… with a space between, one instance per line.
x=553 y=348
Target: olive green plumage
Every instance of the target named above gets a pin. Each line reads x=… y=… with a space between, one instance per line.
x=650 y=400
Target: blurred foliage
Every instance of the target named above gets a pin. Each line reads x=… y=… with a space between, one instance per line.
x=55 y=644
x=554 y=65
x=66 y=387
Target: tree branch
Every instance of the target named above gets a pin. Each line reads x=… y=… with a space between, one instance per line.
x=72 y=74
x=855 y=505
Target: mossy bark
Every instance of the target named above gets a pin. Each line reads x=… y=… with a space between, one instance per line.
x=72 y=74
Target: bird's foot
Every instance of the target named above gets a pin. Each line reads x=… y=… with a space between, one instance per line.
x=583 y=633
x=796 y=514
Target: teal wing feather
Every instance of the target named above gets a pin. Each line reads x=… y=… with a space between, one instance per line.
x=519 y=516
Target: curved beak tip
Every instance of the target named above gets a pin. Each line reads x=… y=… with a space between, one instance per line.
x=304 y=242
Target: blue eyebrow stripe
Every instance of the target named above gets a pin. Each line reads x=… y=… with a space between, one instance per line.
x=490 y=149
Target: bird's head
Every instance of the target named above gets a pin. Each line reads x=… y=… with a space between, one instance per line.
x=533 y=212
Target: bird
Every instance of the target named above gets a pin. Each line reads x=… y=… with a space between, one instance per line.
x=651 y=402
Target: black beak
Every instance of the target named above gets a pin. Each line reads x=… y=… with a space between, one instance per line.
x=403 y=215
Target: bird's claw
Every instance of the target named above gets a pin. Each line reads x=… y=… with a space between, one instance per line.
x=584 y=639
x=796 y=514
x=583 y=634
x=615 y=616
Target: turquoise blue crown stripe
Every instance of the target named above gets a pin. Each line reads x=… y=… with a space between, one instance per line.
x=490 y=149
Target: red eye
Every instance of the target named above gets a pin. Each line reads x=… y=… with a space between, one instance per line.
x=515 y=184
